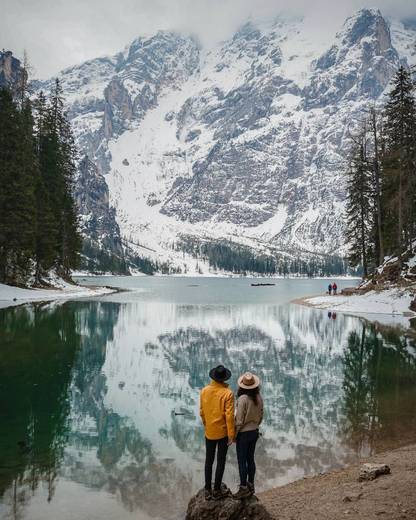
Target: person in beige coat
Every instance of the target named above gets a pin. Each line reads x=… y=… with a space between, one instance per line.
x=249 y=415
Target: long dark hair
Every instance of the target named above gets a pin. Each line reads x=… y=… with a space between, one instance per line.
x=253 y=393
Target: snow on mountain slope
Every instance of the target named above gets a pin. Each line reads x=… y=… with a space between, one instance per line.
x=403 y=37
x=244 y=141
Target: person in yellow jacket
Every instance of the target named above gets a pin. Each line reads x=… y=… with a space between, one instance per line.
x=217 y=414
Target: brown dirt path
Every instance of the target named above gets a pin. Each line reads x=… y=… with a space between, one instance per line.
x=339 y=495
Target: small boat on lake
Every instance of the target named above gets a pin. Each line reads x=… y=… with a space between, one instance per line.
x=262 y=284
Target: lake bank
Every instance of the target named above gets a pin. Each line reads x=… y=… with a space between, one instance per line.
x=389 y=307
x=11 y=296
x=338 y=494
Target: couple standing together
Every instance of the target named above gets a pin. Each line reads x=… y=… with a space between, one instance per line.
x=224 y=425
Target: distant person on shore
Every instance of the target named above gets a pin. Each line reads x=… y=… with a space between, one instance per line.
x=217 y=414
x=334 y=289
x=249 y=415
x=330 y=289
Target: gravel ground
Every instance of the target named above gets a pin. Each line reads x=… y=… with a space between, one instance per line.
x=339 y=495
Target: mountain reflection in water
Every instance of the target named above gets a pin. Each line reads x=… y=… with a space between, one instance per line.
x=102 y=397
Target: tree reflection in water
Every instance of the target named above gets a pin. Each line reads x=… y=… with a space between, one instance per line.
x=38 y=348
x=379 y=389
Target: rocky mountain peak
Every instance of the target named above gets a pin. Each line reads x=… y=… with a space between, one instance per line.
x=165 y=53
x=247 y=32
x=367 y=32
x=251 y=50
x=11 y=71
x=360 y=62
x=367 y=23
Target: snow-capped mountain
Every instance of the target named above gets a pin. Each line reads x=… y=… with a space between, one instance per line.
x=244 y=141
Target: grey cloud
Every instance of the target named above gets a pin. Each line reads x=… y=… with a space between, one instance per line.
x=59 y=33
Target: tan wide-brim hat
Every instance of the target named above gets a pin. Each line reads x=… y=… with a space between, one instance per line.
x=248 y=381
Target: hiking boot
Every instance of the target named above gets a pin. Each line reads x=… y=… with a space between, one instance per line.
x=221 y=493
x=243 y=492
x=251 y=488
x=208 y=494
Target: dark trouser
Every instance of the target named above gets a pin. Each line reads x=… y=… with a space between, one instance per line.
x=246 y=446
x=209 y=461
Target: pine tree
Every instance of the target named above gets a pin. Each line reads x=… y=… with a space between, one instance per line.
x=70 y=241
x=47 y=229
x=375 y=134
x=22 y=87
x=29 y=177
x=359 y=206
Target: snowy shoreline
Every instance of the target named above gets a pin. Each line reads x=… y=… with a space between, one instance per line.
x=390 y=306
x=12 y=296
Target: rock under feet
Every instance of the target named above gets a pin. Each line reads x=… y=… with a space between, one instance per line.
x=225 y=509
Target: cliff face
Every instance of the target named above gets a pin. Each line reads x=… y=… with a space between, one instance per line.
x=244 y=141
x=12 y=74
x=103 y=248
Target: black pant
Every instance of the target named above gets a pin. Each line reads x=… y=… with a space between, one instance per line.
x=246 y=446
x=209 y=461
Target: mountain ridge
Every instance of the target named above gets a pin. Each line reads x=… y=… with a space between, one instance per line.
x=243 y=142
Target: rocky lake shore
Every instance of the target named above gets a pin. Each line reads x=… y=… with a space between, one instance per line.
x=340 y=494
x=346 y=493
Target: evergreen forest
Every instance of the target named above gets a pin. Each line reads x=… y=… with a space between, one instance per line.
x=38 y=217
x=381 y=202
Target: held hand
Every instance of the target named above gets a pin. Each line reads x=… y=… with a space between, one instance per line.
x=230 y=441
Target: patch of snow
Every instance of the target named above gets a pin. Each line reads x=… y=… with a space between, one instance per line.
x=412 y=262
x=394 y=302
x=403 y=39
x=10 y=295
x=271 y=227
x=301 y=43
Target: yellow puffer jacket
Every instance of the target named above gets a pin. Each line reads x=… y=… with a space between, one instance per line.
x=216 y=407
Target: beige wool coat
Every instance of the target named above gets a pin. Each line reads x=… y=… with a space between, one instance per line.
x=249 y=414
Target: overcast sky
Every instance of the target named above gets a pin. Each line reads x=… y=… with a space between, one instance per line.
x=59 y=33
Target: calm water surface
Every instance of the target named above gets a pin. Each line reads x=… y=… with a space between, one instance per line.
x=99 y=398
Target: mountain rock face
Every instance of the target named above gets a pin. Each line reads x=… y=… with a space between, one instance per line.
x=11 y=71
x=245 y=141
x=107 y=95
x=97 y=219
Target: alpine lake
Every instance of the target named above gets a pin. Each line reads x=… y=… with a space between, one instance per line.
x=99 y=411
